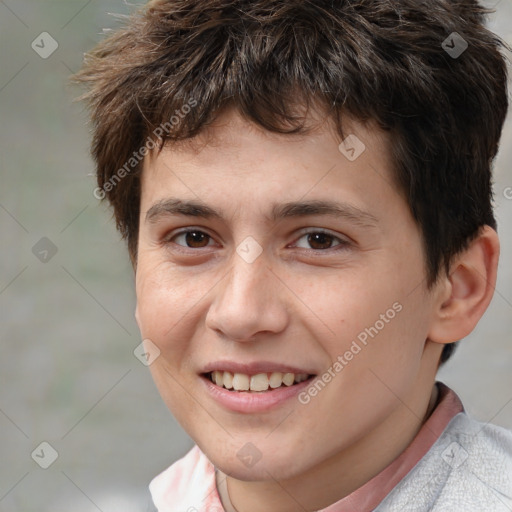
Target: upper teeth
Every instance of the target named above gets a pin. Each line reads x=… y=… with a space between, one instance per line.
x=258 y=382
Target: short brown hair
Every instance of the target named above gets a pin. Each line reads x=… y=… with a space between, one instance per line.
x=380 y=60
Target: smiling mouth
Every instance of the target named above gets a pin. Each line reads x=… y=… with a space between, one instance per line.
x=259 y=382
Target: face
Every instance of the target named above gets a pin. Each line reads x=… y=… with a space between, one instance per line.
x=264 y=276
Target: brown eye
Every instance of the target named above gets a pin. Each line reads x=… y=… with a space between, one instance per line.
x=321 y=241
x=194 y=239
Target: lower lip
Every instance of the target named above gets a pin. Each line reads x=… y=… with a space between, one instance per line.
x=243 y=401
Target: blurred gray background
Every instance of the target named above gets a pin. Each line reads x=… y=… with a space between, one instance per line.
x=67 y=369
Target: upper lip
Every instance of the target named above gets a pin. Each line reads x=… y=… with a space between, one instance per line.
x=253 y=368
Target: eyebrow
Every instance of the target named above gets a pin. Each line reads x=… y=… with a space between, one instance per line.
x=195 y=208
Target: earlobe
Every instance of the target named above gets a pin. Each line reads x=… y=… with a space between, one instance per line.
x=468 y=289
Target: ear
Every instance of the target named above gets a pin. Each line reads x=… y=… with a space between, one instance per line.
x=464 y=295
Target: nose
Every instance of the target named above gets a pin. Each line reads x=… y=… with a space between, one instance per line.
x=248 y=301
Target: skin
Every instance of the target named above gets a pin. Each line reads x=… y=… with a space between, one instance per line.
x=297 y=304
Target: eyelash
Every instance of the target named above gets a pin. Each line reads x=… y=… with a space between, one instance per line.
x=343 y=243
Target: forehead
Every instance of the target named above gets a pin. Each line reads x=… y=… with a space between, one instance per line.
x=237 y=159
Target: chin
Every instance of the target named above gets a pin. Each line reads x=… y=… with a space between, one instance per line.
x=274 y=464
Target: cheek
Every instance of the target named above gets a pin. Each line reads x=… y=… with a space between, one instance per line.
x=162 y=303
x=164 y=318
x=349 y=308
x=371 y=323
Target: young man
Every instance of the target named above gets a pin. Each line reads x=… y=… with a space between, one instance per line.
x=305 y=190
